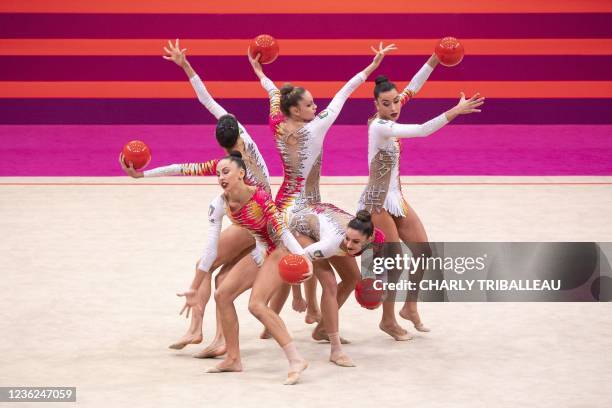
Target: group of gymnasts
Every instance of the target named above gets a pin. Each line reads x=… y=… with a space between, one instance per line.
x=264 y=230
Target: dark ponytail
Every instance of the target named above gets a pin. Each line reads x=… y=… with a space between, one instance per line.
x=382 y=85
x=227 y=131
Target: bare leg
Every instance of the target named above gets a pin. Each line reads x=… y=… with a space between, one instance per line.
x=234 y=243
x=238 y=280
x=329 y=307
x=412 y=233
x=276 y=303
x=216 y=347
x=313 y=312
x=348 y=270
x=267 y=282
x=388 y=323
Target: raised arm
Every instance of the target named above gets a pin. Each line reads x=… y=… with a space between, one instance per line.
x=268 y=85
x=387 y=128
x=380 y=54
x=327 y=117
x=205 y=98
x=177 y=55
x=419 y=79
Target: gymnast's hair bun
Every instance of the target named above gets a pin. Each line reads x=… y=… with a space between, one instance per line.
x=287 y=89
x=362 y=223
x=364 y=216
x=381 y=79
x=236 y=154
x=290 y=96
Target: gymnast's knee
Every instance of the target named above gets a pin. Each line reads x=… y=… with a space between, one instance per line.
x=223 y=297
x=256 y=307
x=329 y=287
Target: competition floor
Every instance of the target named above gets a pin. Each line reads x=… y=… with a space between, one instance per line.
x=90 y=267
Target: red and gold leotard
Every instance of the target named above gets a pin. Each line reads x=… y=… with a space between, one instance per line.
x=260 y=217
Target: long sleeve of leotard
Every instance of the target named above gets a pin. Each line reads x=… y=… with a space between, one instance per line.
x=208 y=168
x=326 y=118
x=345 y=92
x=385 y=128
x=216 y=211
x=327 y=247
x=291 y=243
x=205 y=98
x=273 y=94
x=416 y=83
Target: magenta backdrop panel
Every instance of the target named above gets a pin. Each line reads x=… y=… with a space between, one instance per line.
x=92 y=150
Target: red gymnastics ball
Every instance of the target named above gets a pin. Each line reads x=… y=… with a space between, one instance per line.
x=449 y=51
x=368 y=296
x=138 y=153
x=266 y=46
x=292 y=268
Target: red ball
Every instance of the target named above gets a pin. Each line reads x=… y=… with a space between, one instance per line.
x=138 y=153
x=449 y=51
x=265 y=45
x=292 y=268
x=367 y=296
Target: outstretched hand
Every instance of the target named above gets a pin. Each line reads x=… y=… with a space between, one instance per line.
x=175 y=53
x=191 y=301
x=381 y=52
x=466 y=106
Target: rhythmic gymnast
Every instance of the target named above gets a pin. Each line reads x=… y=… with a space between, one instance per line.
x=299 y=134
x=253 y=209
x=235 y=242
x=383 y=196
x=327 y=231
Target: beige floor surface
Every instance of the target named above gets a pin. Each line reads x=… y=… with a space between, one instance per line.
x=90 y=268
